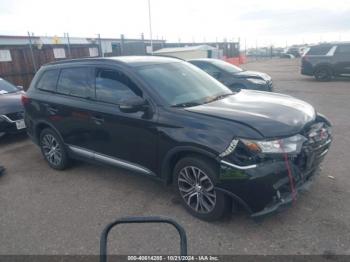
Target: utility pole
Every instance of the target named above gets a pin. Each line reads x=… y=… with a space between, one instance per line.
x=150 y=24
x=100 y=44
x=68 y=42
x=32 y=52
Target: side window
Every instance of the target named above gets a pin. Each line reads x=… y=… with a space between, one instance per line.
x=210 y=69
x=76 y=82
x=343 y=49
x=48 y=80
x=319 y=50
x=113 y=86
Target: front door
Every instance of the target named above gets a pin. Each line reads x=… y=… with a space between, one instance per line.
x=130 y=137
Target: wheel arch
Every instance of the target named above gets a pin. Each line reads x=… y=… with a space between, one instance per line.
x=177 y=153
x=324 y=65
x=40 y=126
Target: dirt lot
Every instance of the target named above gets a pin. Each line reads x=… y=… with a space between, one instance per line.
x=48 y=212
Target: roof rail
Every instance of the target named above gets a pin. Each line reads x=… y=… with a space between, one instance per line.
x=169 y=56
x=75 y=60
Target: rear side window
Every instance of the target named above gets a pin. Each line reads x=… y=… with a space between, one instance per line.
x=319 y=50
x=113 y=86
x=48 y=80
x=76 y=82
x=343 y=49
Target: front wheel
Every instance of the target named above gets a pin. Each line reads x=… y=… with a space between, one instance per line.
x=194 y=182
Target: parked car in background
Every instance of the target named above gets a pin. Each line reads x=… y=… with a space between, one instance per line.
x=11 y=109
x=288 y=56
x=167 y=119
x=234 y=77
x=325 y=61
x=295 y=51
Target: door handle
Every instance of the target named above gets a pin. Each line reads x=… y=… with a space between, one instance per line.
x=98 y=120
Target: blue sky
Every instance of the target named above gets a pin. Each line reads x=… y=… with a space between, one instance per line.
x=263 y=22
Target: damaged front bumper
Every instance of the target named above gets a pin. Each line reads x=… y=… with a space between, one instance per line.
x=283 y=200
x=265 y=188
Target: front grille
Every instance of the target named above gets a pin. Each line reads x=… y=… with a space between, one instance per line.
x=15 y=116
x=315 y=148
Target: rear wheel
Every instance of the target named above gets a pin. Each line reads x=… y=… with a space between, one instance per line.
x=53 y=149
x=194 y=182
x=323 y=74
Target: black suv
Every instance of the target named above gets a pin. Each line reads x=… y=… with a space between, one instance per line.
x=325 y=61
x=233 y=76
x=167 y=119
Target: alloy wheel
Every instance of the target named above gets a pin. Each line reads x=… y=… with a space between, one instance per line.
x=197 y=189
x=323 y=74
x=51 y=149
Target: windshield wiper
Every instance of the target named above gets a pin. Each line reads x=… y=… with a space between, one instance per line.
x=214 y=98
x=206 y=100
x=187 y=104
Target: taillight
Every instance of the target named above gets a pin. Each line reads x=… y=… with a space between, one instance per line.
x=25 y=100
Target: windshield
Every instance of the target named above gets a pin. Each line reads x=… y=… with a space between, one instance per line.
x=6 y=87
x=181 y=84
x=226 y=66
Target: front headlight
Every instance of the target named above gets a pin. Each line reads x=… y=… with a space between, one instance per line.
x=257 y=81
x=290 y=145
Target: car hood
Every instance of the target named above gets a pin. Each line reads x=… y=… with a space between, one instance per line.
x=270 y=114
x=10 y=103
x=253 y=74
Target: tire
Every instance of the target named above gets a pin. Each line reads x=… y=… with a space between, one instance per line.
x=212 y=205
x=57 y=159
x=323 y=74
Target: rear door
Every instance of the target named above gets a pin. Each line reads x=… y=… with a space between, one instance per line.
x=130 y=137
x=71 y=108
x=342 y=59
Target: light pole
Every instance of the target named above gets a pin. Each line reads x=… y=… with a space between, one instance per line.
x=150 y=24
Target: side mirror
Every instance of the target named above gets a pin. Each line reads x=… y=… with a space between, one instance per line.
x=20 y=88
x=133 y=105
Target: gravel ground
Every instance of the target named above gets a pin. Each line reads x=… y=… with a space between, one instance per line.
x=49 y=212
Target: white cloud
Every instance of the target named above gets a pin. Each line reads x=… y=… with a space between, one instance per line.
x=265 y=21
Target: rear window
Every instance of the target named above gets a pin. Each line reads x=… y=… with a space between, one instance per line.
x=76 y=82
x=319 y=50
x=6 y=87
x=48 y=80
